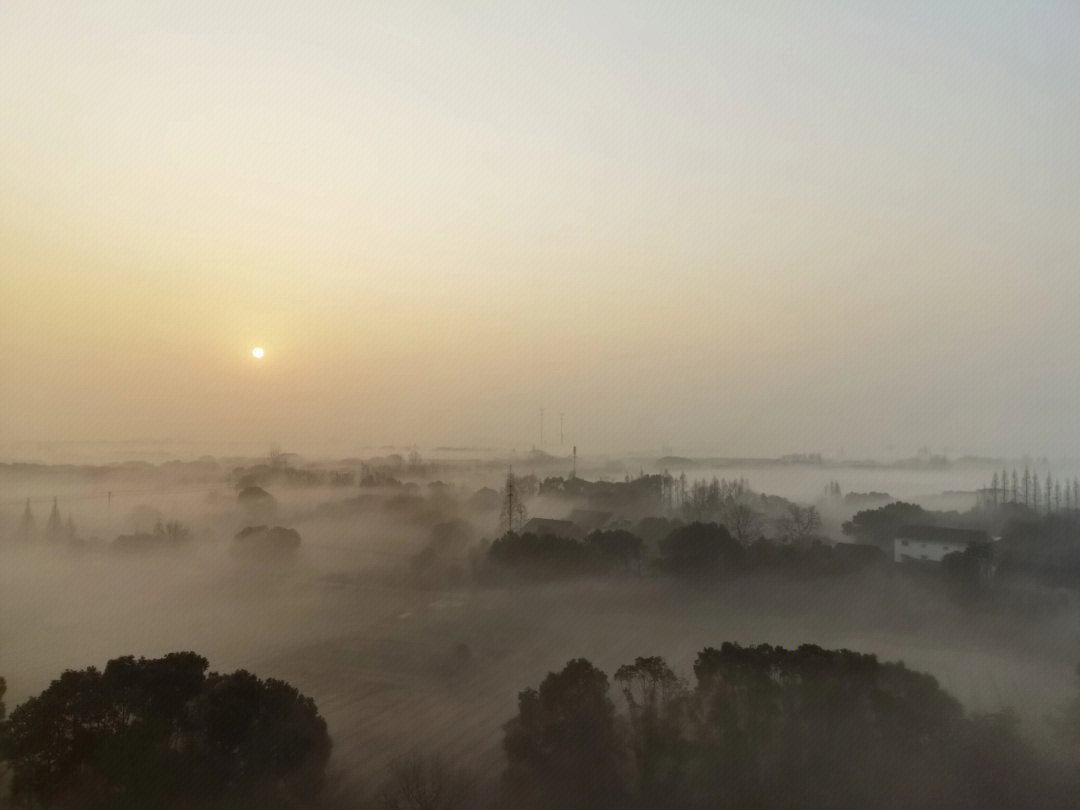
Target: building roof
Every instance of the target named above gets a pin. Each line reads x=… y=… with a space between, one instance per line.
x=589 y=519
x=941 y=534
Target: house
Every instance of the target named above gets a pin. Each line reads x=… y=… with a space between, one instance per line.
x=590 y=520
x=933 y=543
x=547 y=527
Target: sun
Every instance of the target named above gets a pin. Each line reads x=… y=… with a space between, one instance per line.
x=258 y=352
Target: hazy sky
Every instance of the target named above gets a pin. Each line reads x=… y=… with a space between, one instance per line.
x=719 y=226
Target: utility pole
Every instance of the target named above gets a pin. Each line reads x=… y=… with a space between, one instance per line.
x=541 y=428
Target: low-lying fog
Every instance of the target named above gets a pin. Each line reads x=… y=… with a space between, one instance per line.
x=397 y=668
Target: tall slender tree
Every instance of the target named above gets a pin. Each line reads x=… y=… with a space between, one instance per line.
x=54 y=529
x=27 y=526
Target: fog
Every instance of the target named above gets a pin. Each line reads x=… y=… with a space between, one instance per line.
x=398 y=665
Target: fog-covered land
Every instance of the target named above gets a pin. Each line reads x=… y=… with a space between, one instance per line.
x=417 y=600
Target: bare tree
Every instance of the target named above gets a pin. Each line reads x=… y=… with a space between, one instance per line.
x=741 y=520
x=800 y=524
x=426 y=784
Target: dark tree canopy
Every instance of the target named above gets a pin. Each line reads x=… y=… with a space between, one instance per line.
x=618 y=547
x=767 y=727
x=879 y=526
x=265 y=543
x=563 y=748
x=163 y=733
x=539 y=556
x=700 y=549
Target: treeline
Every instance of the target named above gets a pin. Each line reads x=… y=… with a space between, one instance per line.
x=1047 y=496
x=745 y=513
x=767 y=727
x=694 y=551
x=758 y=727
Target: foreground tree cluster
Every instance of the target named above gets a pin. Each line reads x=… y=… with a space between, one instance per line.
x=165 y=733
x=765 y=727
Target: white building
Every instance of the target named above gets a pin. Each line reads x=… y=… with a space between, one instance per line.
x=932 y=543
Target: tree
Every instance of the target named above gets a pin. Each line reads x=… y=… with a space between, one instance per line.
x=514 y=514
x=54 y=529
x=266 y=544
x=256 y=503
x=615 y=548
x=699 y=549
x=563 y=748
x=879 y=526
x=800 y=523
x=165 y=733
x=27 y=526
x=539 y=556
x=655 y=700
x=742 y=521
x=426 y=784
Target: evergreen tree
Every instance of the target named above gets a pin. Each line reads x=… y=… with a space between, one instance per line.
x=994 y=489
x=1015 y=487
x=27 y=526
x=1027 y=487
x=54 y=529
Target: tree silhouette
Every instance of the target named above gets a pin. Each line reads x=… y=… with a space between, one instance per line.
x=563 y=748
x=426 y=784
x=27 y=526
x=165 y=733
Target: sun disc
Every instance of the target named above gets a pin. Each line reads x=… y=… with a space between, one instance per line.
x=257 y=352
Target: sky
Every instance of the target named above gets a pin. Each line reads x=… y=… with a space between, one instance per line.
x=712 y=227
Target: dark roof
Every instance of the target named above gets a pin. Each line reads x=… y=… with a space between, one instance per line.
x=940 y=534
x=589 y=519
